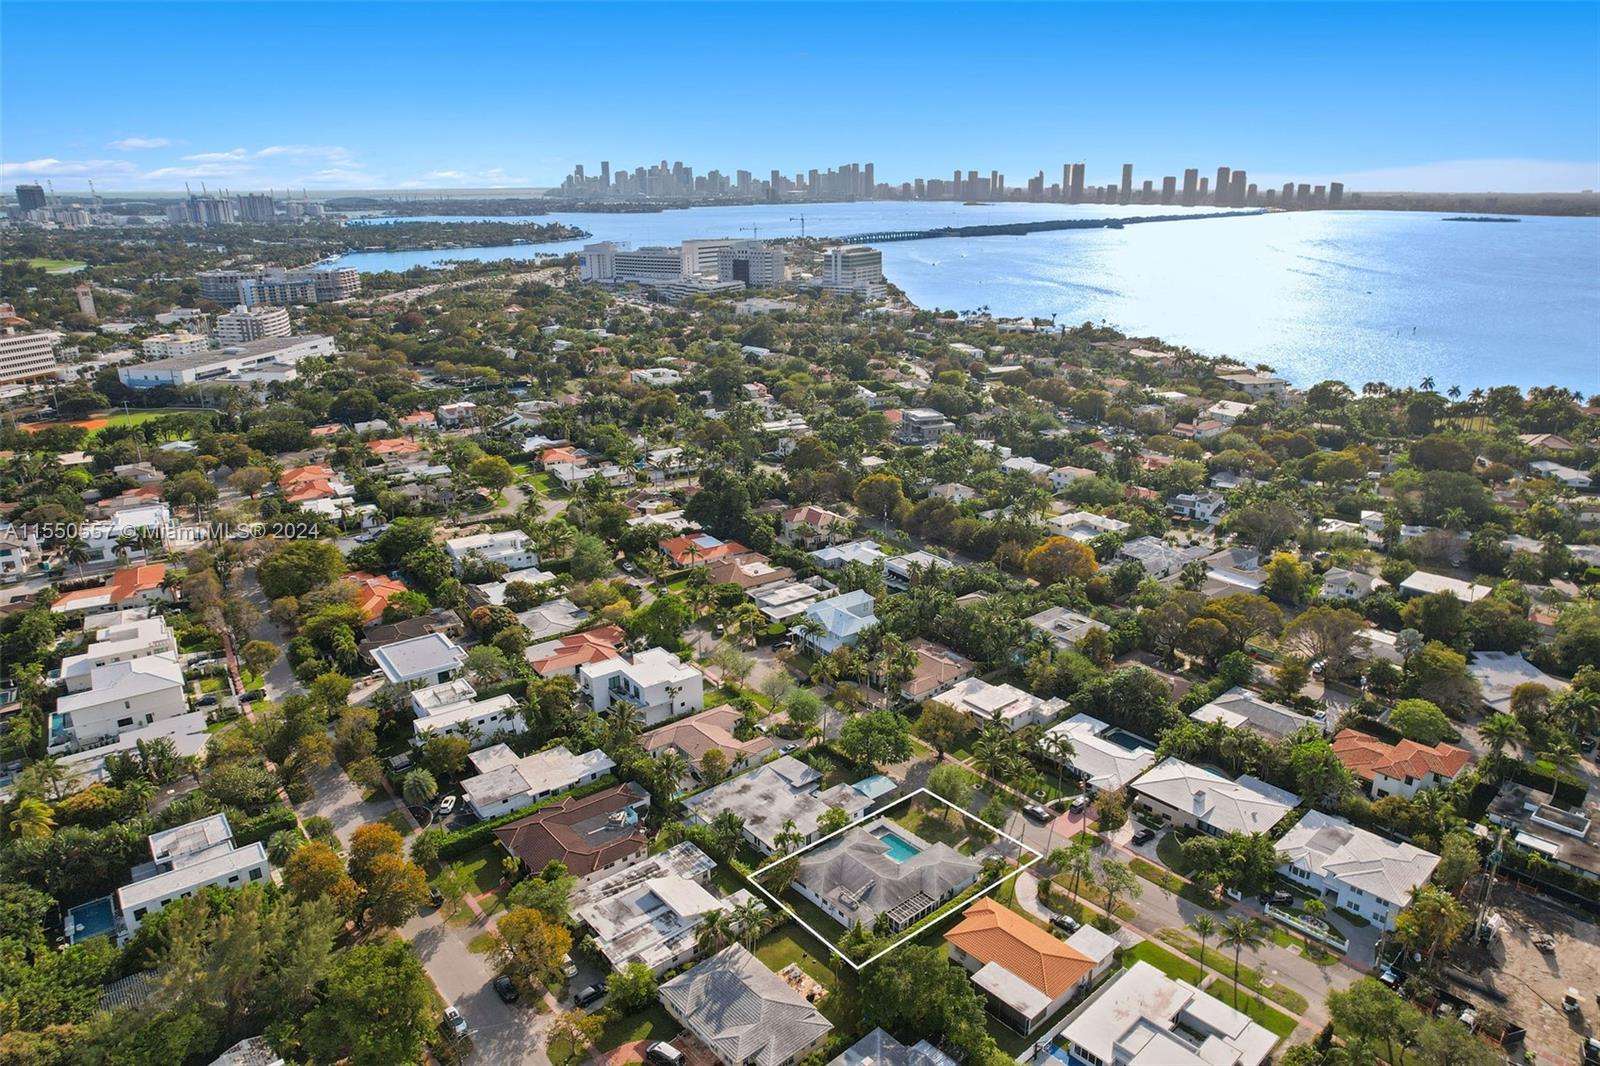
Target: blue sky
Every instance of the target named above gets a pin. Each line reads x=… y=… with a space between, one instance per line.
x=1465 y=96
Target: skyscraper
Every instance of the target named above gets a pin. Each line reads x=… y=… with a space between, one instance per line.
x=30 y=197
x=870 y=182
x=1224 y=177
x=1127 y=183
x=1077 y=183
x=605 y=175
x=1066 y=181
x=1302 y=194
x=1288 y=193
x=1205 y=190
x=1191 y=187
x=1236 y=192
x=1336 y=194
x=1169 y=187
x=1147 y=193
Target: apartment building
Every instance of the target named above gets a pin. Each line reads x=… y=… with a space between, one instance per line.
x=244 y=324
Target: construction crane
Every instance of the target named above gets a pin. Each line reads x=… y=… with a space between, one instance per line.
x=802 y=220
x=53 y=198
x=754 y=231
x=94 y=195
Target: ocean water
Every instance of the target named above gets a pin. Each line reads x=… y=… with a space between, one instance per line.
x=1355 y=295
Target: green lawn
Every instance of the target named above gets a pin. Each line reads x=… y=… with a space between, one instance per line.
x=1163 y=960
x=1275 y=1020
x=1175 y=884
x=651 y=1023
x=41 y=263
x=791 y=944
x=1249 y=977
x=1170 y=851
x=484 y=865
x=936 y=823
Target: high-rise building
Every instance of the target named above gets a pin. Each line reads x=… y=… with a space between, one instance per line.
x=1236 y=193
x=29 y=356
x=1066 y=181
x=256 y=207
x=605 y=175
x=1204 y=191
x=1169 y=189
x=870 y=184
x=244 y=324
x=1147 y=193
x=85 y=299
x=1336 y=194
x=1288 y=193
x=755 y=263
x=855 y=269
x=1220 y=189
x=1077 y=183
x=1191 y=187
x=1302 y=194
x=1127 y=184
x=31 y=197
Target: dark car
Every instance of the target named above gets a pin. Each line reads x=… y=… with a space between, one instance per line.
x=1038 y=813
x=435 y=897
x=505 y=989
x=1278 y=898
x=1144 y=835
x=1065 y=922
x=591 y=994
x=254 y=694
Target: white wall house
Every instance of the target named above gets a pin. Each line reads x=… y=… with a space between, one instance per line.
x=418 y=662
x=1364 y=873
x=510 y=548
x=506 y=783
x=184 y=860
x=1007 y=704
x=116 y=644
x=453 y=708
x=656 y=681
x=120 y=696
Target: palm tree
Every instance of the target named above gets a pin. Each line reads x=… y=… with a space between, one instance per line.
x=627 y=722
x=1316 y=909
x=1117 y=879
x=789 y=837
x=727 y=830
x=52 y=775
x=1562 y=757
x=1501 y=730
x=669 y=771
x=1239 y=933
x=750 y=917
x=31 y=819
x=1205 y=927
x=76 y=551
x=419 y=787
x=1079 y=863
x=714 y=932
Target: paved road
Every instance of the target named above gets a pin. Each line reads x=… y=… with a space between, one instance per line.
x=501 y=1032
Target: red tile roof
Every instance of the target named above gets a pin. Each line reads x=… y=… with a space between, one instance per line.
x=580 y=649
x=373 y=592
x=394 y=446
x=679 y=551
x=585 y=834
x=1367 y=756
x=990 y=932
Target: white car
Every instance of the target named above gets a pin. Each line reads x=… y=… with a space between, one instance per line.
x=447 y=806
x=454 y=1023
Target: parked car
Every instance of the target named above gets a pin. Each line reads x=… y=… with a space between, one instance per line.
x=782 y=644
x=454 y=1024
x=1144 y=836
x=207 y=700
x=1587 y=744
x=1278 y=898
x=505 y=989
x=435 y=897
x=589 y=994
x=1065 y=922
x=663 y=1054
x=447 y=806
x=569 y=969
x=1079 y=803
x=253 y=694
x=1037 y=813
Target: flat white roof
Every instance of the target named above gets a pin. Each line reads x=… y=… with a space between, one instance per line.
x=416 y=657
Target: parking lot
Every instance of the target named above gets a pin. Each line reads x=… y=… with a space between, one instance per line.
x=1514 y=978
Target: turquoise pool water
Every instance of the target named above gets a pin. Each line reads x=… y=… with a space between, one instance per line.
x=897 y=848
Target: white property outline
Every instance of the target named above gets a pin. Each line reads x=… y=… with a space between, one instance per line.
x=754 y=877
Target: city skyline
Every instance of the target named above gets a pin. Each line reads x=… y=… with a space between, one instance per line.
x=1501 y=101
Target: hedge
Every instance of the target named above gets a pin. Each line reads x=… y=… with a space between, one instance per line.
x=1372 y=728
x=1569 y=791
x=473 y=837
x=251 y=830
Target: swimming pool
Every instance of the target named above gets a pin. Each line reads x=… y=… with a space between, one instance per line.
x=896 y=847
x=1125 y=740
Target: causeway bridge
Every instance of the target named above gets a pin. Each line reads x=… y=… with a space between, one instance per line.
x=1017 y=229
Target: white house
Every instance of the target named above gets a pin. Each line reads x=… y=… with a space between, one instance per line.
x=1566 y=475
x=1201 y=506
x=506 y=783
x=1239 y=708
x=120 y=529
x=1341 y=584
x=1203 y=799
x=843 y=619
x=134 y=639
x=1026 y=974
x=899 y=570
x=1006 y=704
x=743 y=1013
x=1104 y=758
x=184 y=860
x=453 y=708
x=1065 y=627
x=510 y=548
x=120 y=696
x=1366 y=874
x=1083 y=526
x=657 y=682
x=1422 y=583
x=430 y=659
x=1063 y=476
x=1142 y=1015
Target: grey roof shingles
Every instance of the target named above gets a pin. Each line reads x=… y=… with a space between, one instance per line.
x=742 y=1011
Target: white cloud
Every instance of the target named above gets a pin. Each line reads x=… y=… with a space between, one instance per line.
x=316 y=151
x=217 y=157
x=490 y=177
x=136 y=144
x=48 y=168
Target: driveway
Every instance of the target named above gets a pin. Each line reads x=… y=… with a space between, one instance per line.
x=501 y=1032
